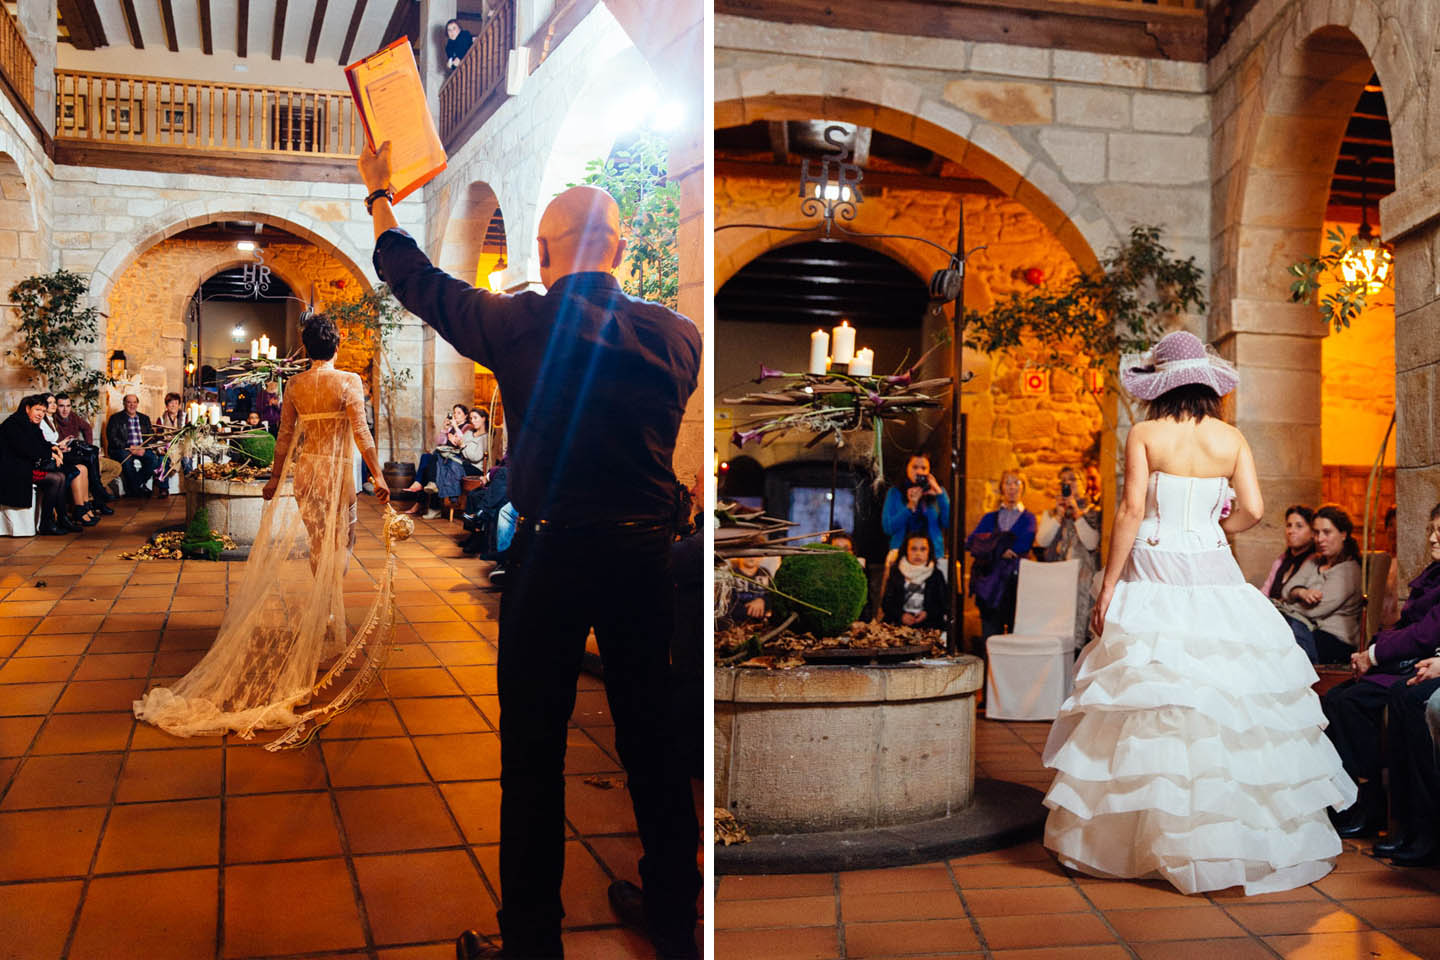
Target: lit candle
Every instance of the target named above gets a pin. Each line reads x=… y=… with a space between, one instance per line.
x=192 y=413
x=214 y=413
x=819 y=350
x=265 y=345
x=254 y=349
x=864 y=363
x=844 y=337
x=273 y=352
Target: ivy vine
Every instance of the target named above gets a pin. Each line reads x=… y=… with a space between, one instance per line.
x=1349 y=298
x=376 y=315
x=53 y=328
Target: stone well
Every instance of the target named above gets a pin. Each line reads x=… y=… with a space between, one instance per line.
x=827 y=748
x=235 y=507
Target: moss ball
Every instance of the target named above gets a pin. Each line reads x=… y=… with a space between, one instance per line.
x=829 y=578
x=256 y=449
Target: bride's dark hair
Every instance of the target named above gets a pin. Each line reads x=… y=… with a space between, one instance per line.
x=320 y=336
x=1193 y=401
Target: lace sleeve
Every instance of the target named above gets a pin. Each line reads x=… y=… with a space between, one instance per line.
x=286 y=436
x=355 y=407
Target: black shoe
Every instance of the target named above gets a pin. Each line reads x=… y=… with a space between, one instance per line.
x=1365 y=816
x=474 y=946
x=78 y=515
x=103 y=506
x=628 y=902
x=48 y=529
x=498 y=576
x=1391 y=845
x=64 y=524
x=1422 y=849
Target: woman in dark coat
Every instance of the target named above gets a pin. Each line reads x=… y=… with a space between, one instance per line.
x=22 y=449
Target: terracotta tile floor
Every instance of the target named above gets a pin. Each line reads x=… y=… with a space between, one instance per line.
x=1019 y=904
x=120 y=841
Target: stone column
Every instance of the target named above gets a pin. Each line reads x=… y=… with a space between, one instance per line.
x=37 y=20
x=1417 y=378
x=406 y=353
x=431 y=54
x=1276 y=348
x=687 y=168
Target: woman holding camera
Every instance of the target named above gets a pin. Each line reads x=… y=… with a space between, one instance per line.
x=916 y=505
x=1071 y=531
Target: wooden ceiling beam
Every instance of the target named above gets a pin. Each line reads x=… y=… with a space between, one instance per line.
x=356 y=16
x=207 y=42
x=316 y=23
x=167 y=14
x=780 y=140
x=399 y=17
x=242 y=29
x=83 y=22
x=277 y=38
x=132 y=24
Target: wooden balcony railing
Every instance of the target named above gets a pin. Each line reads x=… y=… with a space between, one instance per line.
x=1169 y=6
x=480 y=74
x=16 y=60
x=192 y=115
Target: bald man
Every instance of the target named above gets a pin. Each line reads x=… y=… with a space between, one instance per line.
x=595 y=383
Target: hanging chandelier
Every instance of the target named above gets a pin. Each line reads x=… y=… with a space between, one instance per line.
x=1369 y=258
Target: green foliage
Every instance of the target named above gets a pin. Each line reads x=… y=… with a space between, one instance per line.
x=200 y=540
x=256 y=448
x=53 y=328
x=1350 y=298
x=635 y=175
x=376 y=315
x=1100 y=314
x=827 y=577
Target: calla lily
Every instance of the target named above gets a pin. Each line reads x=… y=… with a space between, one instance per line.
x=902 y=380
x=768 y=374
x=740 y=439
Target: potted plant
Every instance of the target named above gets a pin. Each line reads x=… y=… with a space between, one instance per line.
x=53 y=328
x=377 y=314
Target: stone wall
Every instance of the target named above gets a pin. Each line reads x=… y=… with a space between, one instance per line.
x=1008 y=428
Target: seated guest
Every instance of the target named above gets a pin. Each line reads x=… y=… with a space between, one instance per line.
x=476 y=448
x=915 y=593
x=1388 y=675
x=748 y=600
x=172 y=418
x=268 y=405
x=1299 y=547
x=457 y=43
x=1322 y=597
x=125 y=434
x=997 y=543
x=83 y=452
x=77 y=478
x=24 y=454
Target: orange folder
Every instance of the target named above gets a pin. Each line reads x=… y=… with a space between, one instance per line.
x=391 y=99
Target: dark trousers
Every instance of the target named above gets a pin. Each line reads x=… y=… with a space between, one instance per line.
x=999 y=619
x=1319 y=646
x=1354 y=709
x=135 y=472
x=51 y=491
x=1411 y=755
x=617 y=580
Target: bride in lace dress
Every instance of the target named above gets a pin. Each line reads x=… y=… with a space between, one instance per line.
x=286 y=616
x=1192 y=748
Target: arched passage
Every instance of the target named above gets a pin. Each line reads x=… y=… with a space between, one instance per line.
x=1289 y=124
x=19 y=258
x=149 y=300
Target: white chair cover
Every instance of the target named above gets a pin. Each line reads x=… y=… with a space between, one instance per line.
x=1029 y=672
x=21 y=521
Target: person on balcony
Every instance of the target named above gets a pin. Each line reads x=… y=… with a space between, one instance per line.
x=457 y=45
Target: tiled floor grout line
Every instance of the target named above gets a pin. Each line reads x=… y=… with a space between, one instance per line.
x=969 y=915
x=840 y=946
x=357 y=893
x=1095 y=909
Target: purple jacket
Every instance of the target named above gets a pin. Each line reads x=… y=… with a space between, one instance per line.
x=1416 y=635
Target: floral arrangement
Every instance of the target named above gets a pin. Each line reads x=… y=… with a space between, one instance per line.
x=262 y=370
x=833 y=404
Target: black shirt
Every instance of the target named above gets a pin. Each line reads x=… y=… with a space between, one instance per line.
x=457 y=48
x=594 y=382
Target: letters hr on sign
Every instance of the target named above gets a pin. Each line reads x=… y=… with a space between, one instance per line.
x=255 y=277
x=841 y=193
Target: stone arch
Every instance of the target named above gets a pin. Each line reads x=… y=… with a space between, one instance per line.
x=1294 y=95
x=149 y=323
x=460 y=245
x=986 y=149
x=199 y=212
x=20 y=249
x=586 y=133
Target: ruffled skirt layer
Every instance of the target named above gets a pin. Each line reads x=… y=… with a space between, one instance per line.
x=1193 y=747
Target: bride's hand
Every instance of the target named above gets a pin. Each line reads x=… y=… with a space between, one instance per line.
x=1102 y=606
x=382 y=493
x=269 y=492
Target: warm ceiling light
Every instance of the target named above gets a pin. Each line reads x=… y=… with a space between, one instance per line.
x=245 y=246
x=497 y=276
